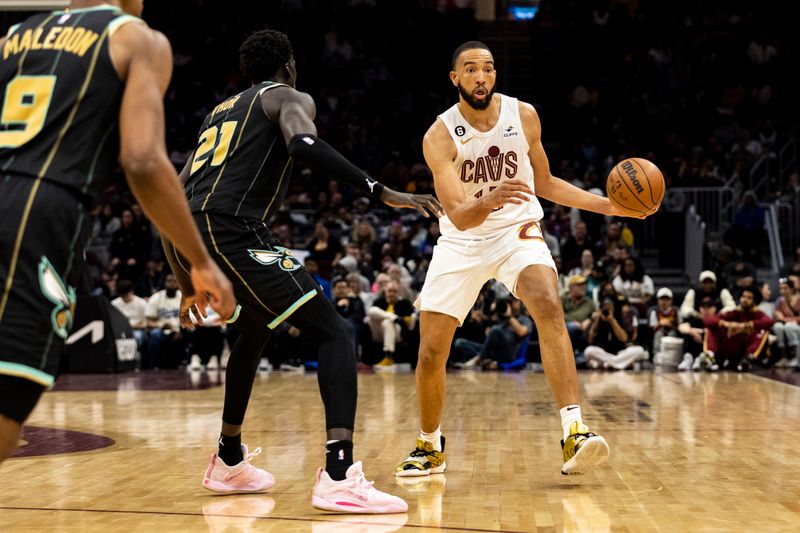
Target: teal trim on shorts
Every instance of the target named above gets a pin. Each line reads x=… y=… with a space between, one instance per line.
x=235 y=316
x=27 y=372
x=294 y=307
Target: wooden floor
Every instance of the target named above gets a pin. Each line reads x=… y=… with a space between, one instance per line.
x=689 y=453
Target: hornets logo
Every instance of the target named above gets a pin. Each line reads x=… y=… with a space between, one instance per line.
x=280 y=255
x=61 y=295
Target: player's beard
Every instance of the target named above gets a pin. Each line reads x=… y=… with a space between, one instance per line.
x=480 y=105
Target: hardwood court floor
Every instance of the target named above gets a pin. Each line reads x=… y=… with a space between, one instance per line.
x=689 y=453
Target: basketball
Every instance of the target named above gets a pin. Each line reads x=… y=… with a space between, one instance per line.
x=636 y=185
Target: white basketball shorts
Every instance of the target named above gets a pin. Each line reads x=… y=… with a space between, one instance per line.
x=460 y=267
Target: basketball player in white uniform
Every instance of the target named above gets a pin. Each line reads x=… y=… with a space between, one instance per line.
x=489 y=165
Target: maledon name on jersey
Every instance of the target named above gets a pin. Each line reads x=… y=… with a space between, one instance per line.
x=486 y=158
x=241 y=166
x=60 y=110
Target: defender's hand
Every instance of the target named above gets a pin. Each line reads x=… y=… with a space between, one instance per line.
x=514 y=191
x=424 y=203
x=211 y=286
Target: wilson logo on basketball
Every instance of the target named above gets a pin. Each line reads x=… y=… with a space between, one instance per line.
x=627 y=166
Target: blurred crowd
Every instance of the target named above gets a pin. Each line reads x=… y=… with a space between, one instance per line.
x=703 y=89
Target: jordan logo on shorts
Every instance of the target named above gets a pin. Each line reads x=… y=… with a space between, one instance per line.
x=280 y=255
x=61 y=295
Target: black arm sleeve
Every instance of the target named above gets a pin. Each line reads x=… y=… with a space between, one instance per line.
x=323 y=158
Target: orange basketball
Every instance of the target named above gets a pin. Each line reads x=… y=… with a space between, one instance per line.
x=636 y=185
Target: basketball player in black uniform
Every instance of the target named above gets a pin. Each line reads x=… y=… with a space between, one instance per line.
x=80 y=88
x=235 y=180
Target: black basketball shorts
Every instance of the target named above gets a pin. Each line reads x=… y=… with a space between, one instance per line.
x=267 y=279
x=43 y=230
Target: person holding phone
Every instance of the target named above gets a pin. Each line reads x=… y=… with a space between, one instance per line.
x=611 y=336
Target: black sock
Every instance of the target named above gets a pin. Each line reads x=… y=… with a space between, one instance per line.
x=230 y=449
x=339 y=458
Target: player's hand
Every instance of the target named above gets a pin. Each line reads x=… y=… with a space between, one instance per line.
x=424 y=203
x=514 y=191
x=189 y=304
x=616 y=211
x=212 y=287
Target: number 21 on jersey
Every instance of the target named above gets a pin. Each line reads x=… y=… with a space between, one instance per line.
x=217 y=139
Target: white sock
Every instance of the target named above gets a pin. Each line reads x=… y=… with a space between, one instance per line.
x=570 y=414
x=434 y=438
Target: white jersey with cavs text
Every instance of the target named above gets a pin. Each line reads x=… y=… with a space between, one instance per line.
x=486 y=158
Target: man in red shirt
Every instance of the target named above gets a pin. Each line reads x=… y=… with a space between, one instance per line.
x=738 y=336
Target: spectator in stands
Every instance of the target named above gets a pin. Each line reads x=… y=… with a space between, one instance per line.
x=612 y=335
x=551 y=241
x=126 y=249
x=152 y=280
x=721 y=297
x=558 y=224
x=471 y=336
x=134 y=309
x=767 y=304
x=693 y=330
x=325 y=251
x=313 y=269
x=166 y=340
x=206 y=343
x=350 y=307
x=366 y=237
x=397 y=242
x=103 y=229
x=356 y=263
x=505 y=339
x=606 y=290
x=401 y=275
x=597 y=278
x=787 y=326
x=586 y=266
x=612 y=239
x=739 y=275
x=391 y=320
x=575 y=245
x=425 y=247
x=663 y=318
x=498 y=330
x=578 y=311
x=736 y=338
x=143 y=231
x=354 y=282
x=635 y=285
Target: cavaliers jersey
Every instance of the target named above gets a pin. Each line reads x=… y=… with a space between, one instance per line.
x=61 y=99
x=485 y=158
x=240 y=166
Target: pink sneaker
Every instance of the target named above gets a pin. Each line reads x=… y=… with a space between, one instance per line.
x=354 y=494
x=241 y=478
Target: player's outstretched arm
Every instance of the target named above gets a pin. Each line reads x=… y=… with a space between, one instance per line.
x=295 y=112
x=144 y=59
x=550 y=187
x=464 y=213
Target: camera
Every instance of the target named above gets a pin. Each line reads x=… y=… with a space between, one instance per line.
x=501 y=307
x=606 y=312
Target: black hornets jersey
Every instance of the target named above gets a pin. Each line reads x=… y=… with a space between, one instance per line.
x=240 y=166
x=60 y=107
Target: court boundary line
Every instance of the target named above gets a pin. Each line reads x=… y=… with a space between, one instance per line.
x=278 y=518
